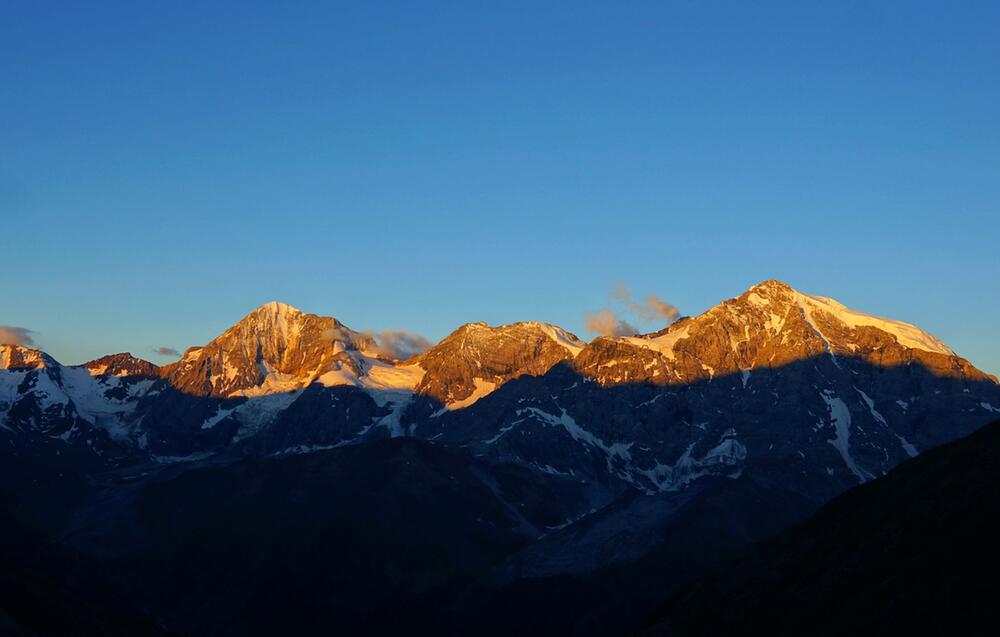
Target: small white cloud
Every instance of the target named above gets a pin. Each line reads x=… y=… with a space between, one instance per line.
x=651 y=309
x=606 y=323
x=399 y=344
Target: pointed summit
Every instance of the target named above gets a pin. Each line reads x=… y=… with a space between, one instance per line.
x=772 y=285
x=272 y=313
x=273 y=348
x=276 y=309
x=278 y=306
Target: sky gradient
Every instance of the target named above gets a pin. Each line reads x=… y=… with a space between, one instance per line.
x=167 y=167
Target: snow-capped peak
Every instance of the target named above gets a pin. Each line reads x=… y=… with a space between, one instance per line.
x=770 y=325
x=776 y=292
x=277 y=309
x=906 y=334
x=277 y=348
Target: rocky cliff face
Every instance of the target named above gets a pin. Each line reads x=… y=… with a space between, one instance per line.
x=18 y=357
x=122 y=365
x=274 y=348
x=476 y=359
x=769 y=326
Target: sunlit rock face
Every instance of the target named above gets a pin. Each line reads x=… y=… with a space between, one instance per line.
x=767 y=327
x=122 y=365
x=274 y=348
x=476 y=359
x=18 y=357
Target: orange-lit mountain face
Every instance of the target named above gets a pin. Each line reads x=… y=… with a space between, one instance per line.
x=476 y=359
x=18 y=357
x=769 y=326
x=277 y=348
x=276 y=352
x=121 y=365
x=653 y=412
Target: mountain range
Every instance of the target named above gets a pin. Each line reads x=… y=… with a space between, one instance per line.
x=503 y=466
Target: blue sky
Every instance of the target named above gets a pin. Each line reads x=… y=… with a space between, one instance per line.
x=166 y=167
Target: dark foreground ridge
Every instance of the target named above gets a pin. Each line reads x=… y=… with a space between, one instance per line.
x=911 y=553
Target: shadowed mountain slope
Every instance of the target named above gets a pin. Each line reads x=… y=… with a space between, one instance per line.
x=913 y=552
x=364 y=539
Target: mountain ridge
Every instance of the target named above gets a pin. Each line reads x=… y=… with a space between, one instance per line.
x=276 y=347
x=258 y=367
x=822 y=326
x=603 y=451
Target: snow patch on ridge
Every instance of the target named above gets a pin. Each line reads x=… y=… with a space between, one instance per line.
x=907 y=447
x=663 y=344
x=729 y=453
x=219 y=416
x=840 y=418
x=259 y=411
x=871 y=407
x=906 y=334
x=482 y=388
x=572 y=344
